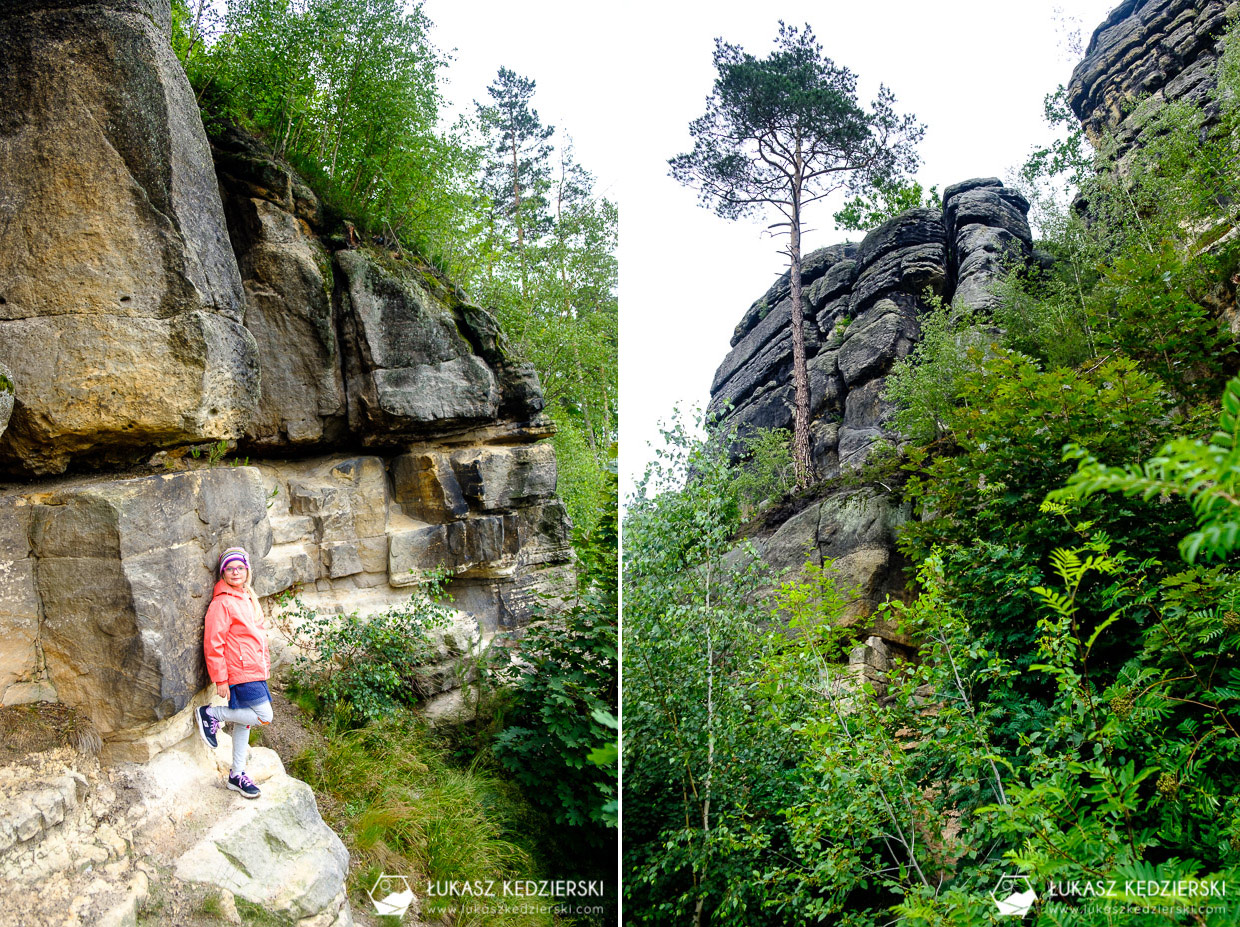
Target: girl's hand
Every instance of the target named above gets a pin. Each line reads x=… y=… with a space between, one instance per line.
x=221 y=689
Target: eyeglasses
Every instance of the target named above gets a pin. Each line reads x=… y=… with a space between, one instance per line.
x=234 y=569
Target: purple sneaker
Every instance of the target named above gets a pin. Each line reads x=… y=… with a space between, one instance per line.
x=207 y=727
x=243 y=784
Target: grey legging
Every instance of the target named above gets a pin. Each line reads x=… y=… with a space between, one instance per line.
x=241 y=719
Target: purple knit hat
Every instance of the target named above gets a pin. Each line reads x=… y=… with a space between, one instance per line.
x=234 y=555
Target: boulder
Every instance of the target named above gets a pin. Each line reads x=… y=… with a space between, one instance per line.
x=120 y=299
x=125 y=570
x=407 y=366
x=275 y=852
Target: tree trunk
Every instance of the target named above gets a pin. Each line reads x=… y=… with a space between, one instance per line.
x=710 y=742
x=800 y=372
x=516 y=206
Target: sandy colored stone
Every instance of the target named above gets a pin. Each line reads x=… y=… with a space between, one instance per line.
x=120 y=299
x=125 y=573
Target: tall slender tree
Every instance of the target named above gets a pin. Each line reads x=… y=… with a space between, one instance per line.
x=518 y=171
x=782 y=132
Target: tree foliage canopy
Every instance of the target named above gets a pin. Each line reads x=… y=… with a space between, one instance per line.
x=788 y=129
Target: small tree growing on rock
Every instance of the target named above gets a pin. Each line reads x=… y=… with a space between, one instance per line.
x=782 y=132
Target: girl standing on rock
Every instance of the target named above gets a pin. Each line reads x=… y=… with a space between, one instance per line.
x=235 y=645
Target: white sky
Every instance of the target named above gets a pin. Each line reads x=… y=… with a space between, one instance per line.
x=625 y=80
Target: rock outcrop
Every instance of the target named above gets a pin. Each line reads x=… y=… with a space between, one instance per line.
x=393 y=434
x=862 y=313
x=165 y=301
x=864 y=301
x=120 y=299
x=1145 y=54
x=862 y=308
x=83 y=844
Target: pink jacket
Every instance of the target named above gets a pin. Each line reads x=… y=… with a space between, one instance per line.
x=235 y=638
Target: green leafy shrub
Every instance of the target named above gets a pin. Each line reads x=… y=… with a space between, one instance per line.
x=701 y=791
x=1207 y=473
x=925 y=386
x=767 y=472
x=566 y=675
x=367 y=667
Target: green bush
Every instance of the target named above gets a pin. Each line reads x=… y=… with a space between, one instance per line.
x=367 y=667
x=767 y=471
x=565 y=679
x=560 y=734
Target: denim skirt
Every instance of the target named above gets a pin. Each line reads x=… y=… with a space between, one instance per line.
x=248 y=694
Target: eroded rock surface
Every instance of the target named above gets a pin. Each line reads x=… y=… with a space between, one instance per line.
x=120 y=299
x=86 y=845
x=863 y=308
x=863 y=305
x=1144 y=54
x=163 y=296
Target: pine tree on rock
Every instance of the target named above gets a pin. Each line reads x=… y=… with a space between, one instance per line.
x=780 y=133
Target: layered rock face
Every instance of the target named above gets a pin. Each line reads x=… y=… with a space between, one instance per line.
x=862 y=305
x=1145 y=54
x=159 y=294
x=864 y=301
x=164 y=301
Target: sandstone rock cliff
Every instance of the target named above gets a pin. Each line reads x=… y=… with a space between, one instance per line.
x=864 y=300
x=863 y=305
x=163 y=299
x=404 y=432
x=120 y=299
x=1144 y=54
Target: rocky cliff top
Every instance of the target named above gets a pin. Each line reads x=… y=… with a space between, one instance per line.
x=862 y=310
x=862 y=306
x=1146 y=53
